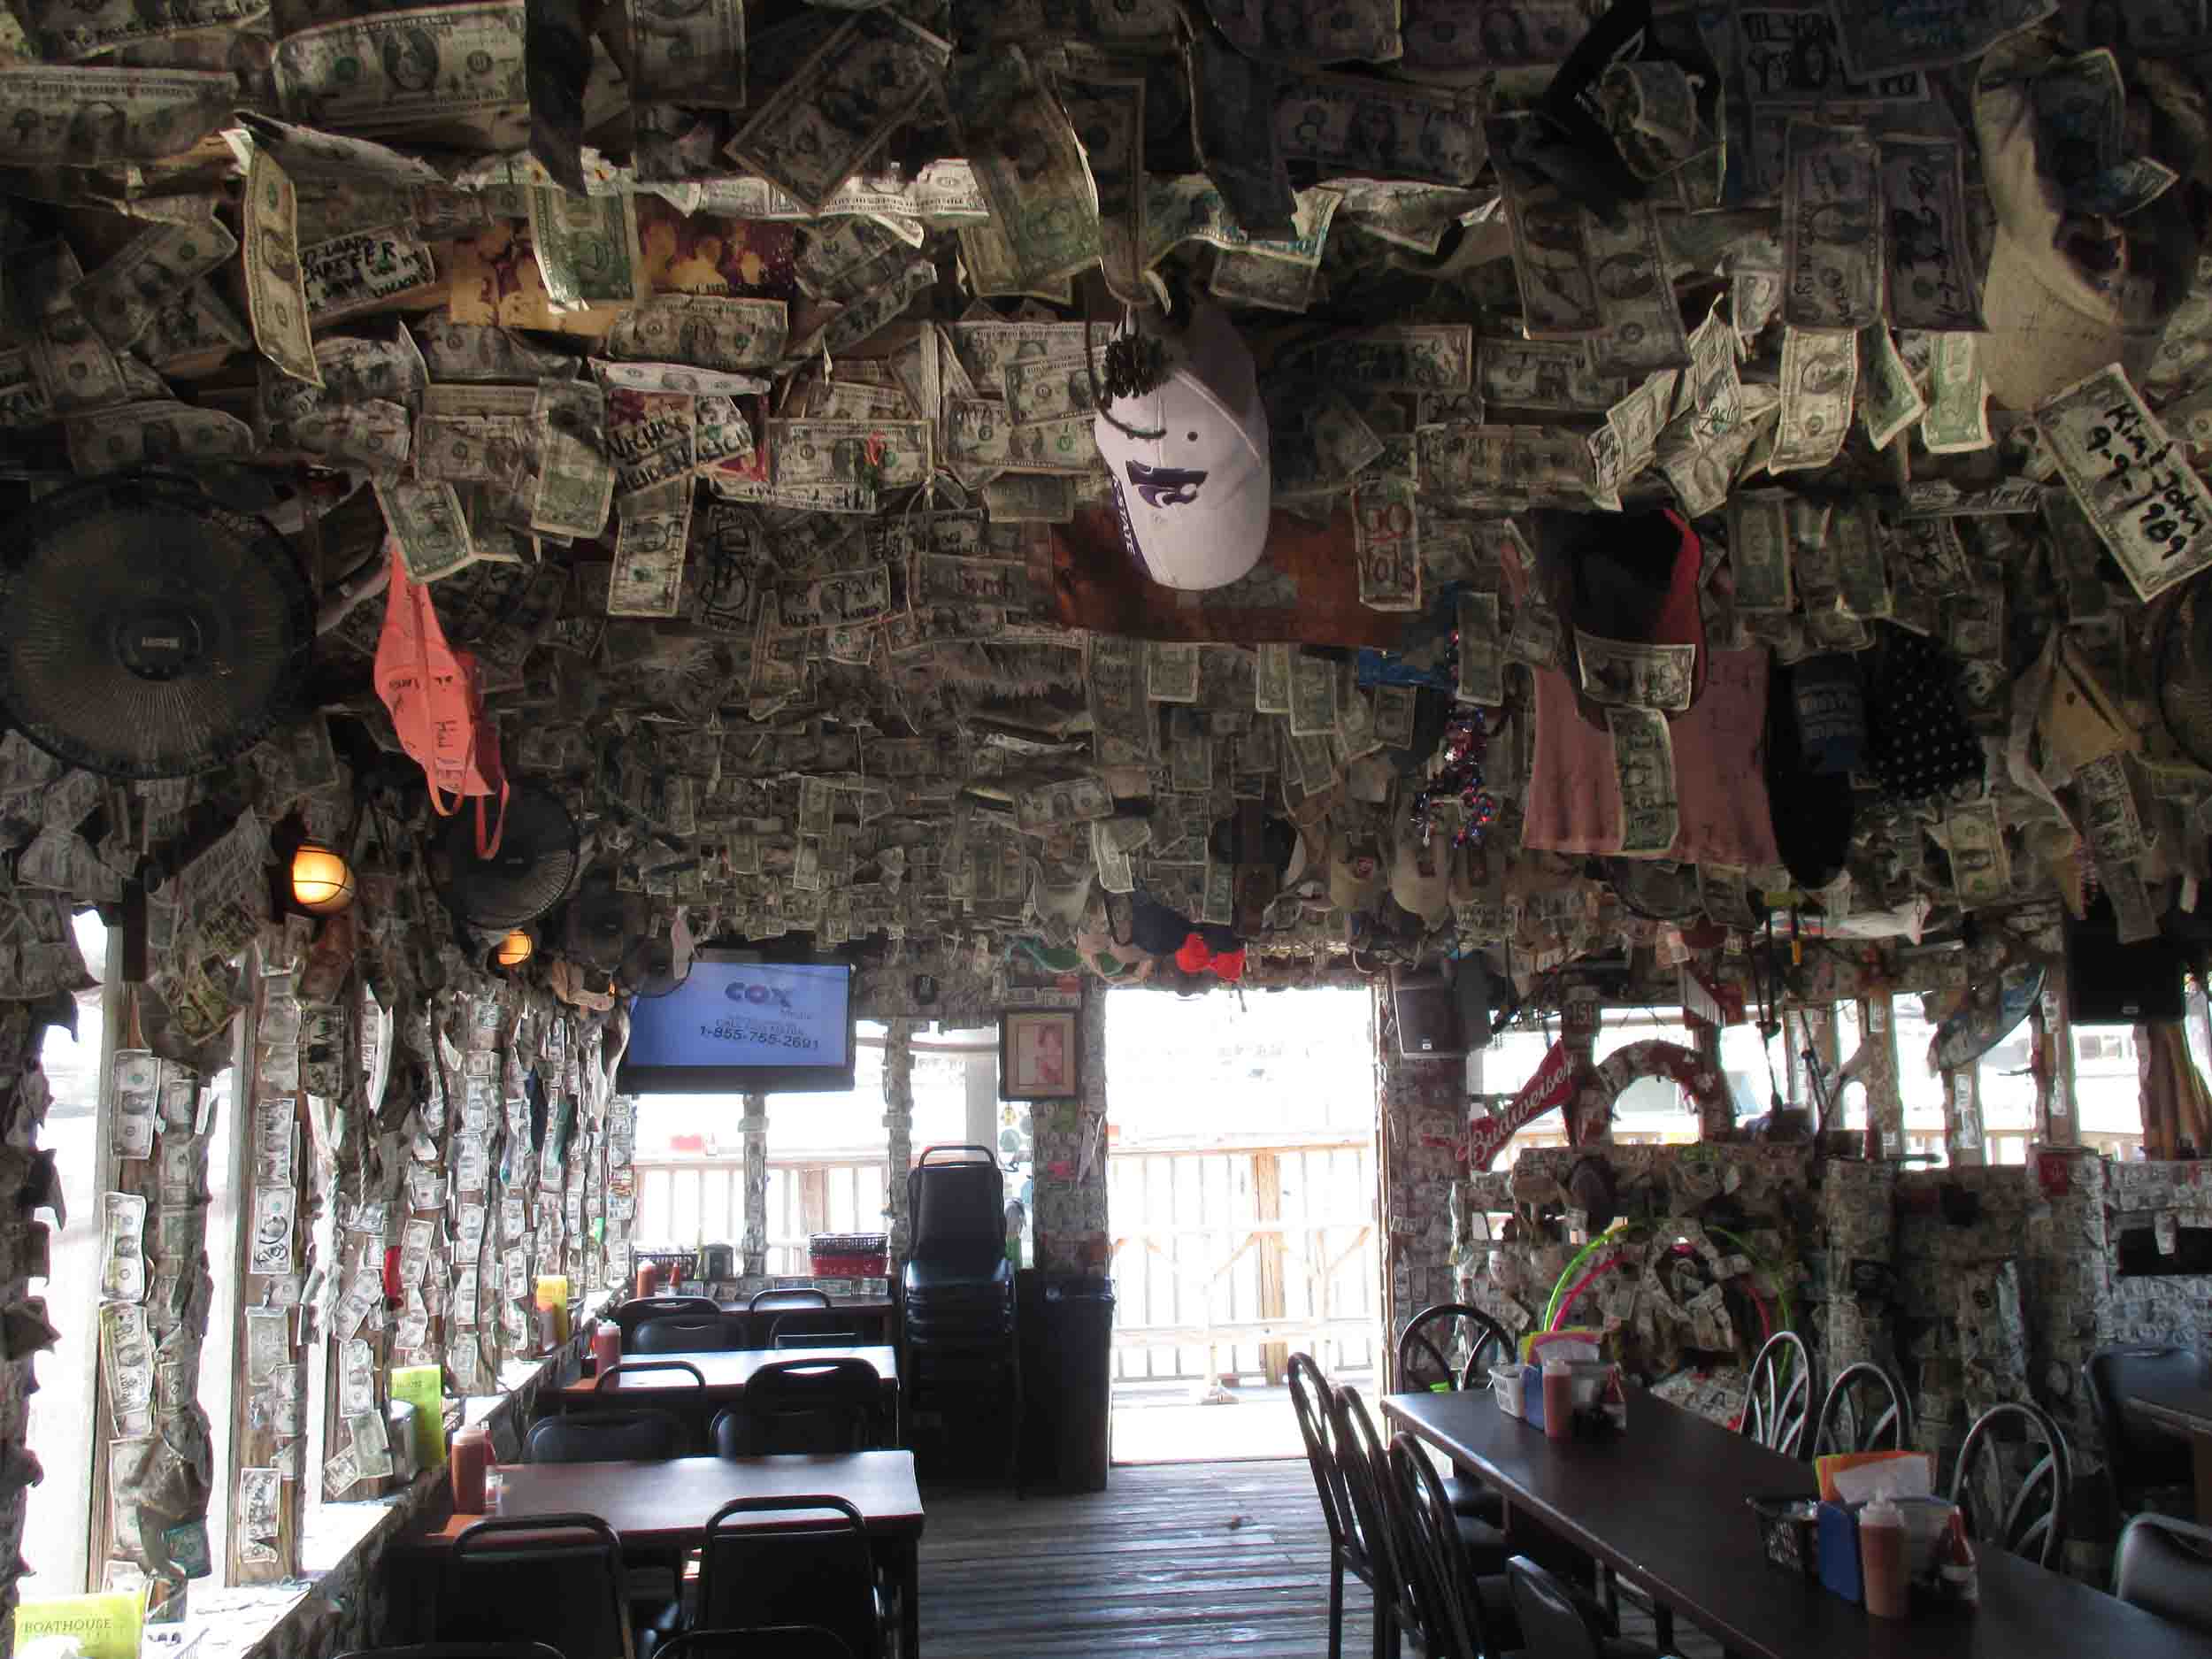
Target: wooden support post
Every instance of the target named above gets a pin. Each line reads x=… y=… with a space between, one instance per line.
x=1717 y=1117
x=755 y=1128
x=2058 y=1117
x=1885 y=1102
x=898 y=1121
x=1267 y=1205
x=1963 y=1114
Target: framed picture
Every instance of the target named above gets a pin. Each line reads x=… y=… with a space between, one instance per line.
x=1037 y=1055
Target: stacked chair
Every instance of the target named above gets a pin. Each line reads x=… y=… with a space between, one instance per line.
x=961 y=1363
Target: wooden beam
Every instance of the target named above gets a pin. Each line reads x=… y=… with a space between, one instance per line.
x=1267 y=1201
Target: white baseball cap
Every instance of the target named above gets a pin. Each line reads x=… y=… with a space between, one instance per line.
x=1194 y=500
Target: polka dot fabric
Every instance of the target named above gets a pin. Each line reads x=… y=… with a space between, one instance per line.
x=1918 y=743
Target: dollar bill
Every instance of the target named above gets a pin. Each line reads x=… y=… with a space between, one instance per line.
x=1217 y=907
x=654 y=531
x=1625 y=674
x=680 y=378
x=1386 y=541
x=1933 y=283
x=2110 y=819
x=1481 y=677
x=1042 y=808
x=1863 y=588
x=89 y=117
x=1114 y=871
x=944 y=578
x=1121 y=719
x=1759 y=549
x=576 y=477
x=1958 y=413
x=650 y=438
x=1044 y=389
x=466 y=351
x=195 y=324
x=1395 y=708
x=1643 y=767
x=1820 y=374
x=880 y=455
x=1551 y=260
x=2152 y=512
x=1547 y=376
x=720 y=432
x=2135 y=921
x=857 y=596
x=123 y=1247
x=427 y=523
x=1312 y=696
x=986 y=349
x=1362 y=128
x=1832 y=230
x=1029 y=165
x=1879 y=37
x=156 y=435
x=276 y=294
x=872 y=310
x=429 y=68
x=1404 y=358
x=685 y=52
x=586 y=247
x=1030 y=498
x=1497 y=467
x=1190 y=208
x=842 y=257
x=1723 y=892
x=1635 y=297
x=1343 y=441
x=1251 y=278
x=360 y=271
x=1065 y=444
x=1891 y=400
x=1270 y=680
x=156 y=267
x=1307 y=36
x=838 y=107
x=1974 y=622
x=1171 y=672
x=1981 y=873
x=705 y=330
x=1105 y=102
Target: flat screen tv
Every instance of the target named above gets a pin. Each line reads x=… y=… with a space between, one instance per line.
x=740 y=1025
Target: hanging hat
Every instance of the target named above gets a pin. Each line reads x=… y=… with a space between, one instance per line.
x=1187 y=452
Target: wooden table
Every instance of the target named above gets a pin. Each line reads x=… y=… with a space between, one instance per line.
x=2184 y=1408
x=666 y=1505
x=1665 y=1507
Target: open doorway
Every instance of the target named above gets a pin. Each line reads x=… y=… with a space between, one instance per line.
x=1241 y=1198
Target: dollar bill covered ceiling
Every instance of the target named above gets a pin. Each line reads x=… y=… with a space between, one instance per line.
x=1730 y=466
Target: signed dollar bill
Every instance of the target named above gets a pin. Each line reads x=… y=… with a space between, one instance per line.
x=576 y=477
x=705 y=330
x=1643 y=767
x=276 y=292
x=1630 y=675
x=1934 y=282
x=1357 y=128
x=1481 y=678
x=878 y=454
x=2130 y=479
x=648 y=577
x=87 y=116
x=1832 y=228
x=154 y=268
x=1406 y=357
x=1820 y=372
x=1386 y=541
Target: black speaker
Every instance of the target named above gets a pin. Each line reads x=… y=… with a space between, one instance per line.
x=1428 y=1015
x=2108 y=983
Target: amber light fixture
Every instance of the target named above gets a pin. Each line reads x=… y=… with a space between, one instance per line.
x=322 y=880
x=514 y=950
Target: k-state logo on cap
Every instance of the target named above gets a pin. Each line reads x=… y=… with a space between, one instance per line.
x=1164 y=486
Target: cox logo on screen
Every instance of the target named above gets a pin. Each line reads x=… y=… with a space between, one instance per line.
x=758 y=996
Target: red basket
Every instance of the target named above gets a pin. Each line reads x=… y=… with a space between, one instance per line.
x=849 y=1255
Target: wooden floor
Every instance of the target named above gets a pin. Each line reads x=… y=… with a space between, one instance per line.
x=1195 y=1561
x=1192 y=1560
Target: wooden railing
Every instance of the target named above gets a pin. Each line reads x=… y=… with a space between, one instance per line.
x=700 y=1199
x=1227 y=1260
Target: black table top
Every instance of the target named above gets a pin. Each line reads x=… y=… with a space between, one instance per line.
x=1665 y=1506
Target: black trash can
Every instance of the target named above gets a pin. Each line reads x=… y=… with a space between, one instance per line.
x=1067 y=1337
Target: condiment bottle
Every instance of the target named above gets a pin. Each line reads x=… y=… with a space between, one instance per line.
x=606 y=1347
x=1881 y=1558
x=1559 y=1400
x=471 y=1454
x=1955 y=1560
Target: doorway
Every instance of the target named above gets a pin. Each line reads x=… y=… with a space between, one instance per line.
x=1241 y=1205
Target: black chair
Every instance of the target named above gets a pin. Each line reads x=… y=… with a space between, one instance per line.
x=459 y=1650
x=761 y=1641
x=961 y=1362
x=1777 y=1398
x=804 y=1405
x=1448 y=1346
x=1310 y=1401
x=1451 y=1612
x=1865 y=1410
x=686 y=1333
x=806 y=1307
x=778 y=1336
x=631 y=1314
x=549 y=1578
x=1557 y=1623
x=1358 y=1463
x=2142 y=1459
x=813 y=1565
x=2164 y=1566
x=2028 y=1519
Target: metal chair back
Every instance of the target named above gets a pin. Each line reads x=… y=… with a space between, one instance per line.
x=549 y=1578
x=1777 y=1399
x=778 y=1336
x=2165 y=1566
x=631 y=1314
x=804 y=1405
x=813 y=1565
x=1310 y=1404
x=1364 y=1472
x=1450 y=1345
x=1436 y=1587
x=686 y=1334
x=1555 y=1624
x=1865 y=1410
x=2024 y=1514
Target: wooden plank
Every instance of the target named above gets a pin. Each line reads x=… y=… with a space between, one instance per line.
x=1267 y=1199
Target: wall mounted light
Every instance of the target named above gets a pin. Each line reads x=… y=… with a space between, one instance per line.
x=322 y=880
x=514 y=950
